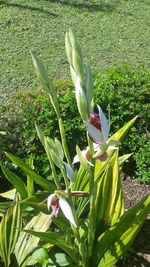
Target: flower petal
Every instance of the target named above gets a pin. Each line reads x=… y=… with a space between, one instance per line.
x=76 y=158
x=105 y=125
x=103 y=157
x=70 y=172
x=94 y=132
x=66 y=209
x=102 y=149
x=49 y=201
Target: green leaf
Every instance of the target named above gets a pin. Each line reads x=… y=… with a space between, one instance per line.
x=4 y=206
x=115 y=241
x=56 y=154
x=58 y=240
x=109 y=199
x=9 y=231
x=42 y=75
x=123 y=158
x=27 y=243
x=120 y=134
x=30 y=182
x=40 y=255
x=62 y=259
x=9 y=194
x=28 y=171
x=37 y=202
x=40 y=134
x=41 y=72
x=83 y=161
x=16 y=181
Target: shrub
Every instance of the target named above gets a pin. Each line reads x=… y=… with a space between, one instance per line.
x=127 y=90
x=124 y=88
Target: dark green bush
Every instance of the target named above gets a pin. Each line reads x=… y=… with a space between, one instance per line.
x=124 y=88
x=127 y=91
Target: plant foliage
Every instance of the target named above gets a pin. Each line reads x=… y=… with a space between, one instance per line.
x=77 y=218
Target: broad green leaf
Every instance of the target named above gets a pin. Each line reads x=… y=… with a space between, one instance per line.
x=58 y=240
x=28 y=171
x=9 y=231
x=16 y=181
x=40 y=255
x=62 y=259
x=27 y=243
x=115 y=205
x=9 y=194
x=109 y=199
x=113 y=243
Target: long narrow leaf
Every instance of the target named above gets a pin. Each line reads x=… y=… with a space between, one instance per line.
x=9 y=231
x=28 y=171
x=120 y=134
x=16 y=181
x=117 y=239
x=109 y=199
x=26 y=243
x=58 y=240
x=9 y=194
x=30 y=182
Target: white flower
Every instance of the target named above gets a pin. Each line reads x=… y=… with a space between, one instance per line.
x=55 y=202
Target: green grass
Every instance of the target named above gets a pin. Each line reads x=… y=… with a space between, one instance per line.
x=111 y=32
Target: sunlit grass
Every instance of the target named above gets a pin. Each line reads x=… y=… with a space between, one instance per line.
x=111 y=32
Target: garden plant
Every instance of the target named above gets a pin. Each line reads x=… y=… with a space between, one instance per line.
x=78 y=218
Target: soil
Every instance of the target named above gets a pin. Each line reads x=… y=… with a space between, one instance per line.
x=139 y=255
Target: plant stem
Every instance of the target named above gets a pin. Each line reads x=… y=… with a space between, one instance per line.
x=64 y=143
x=92 y=190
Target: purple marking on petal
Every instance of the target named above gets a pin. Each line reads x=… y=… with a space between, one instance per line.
x=103 y=157
x=55 y=206
x=95 y=120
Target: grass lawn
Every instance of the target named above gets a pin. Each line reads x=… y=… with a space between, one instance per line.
x=110 y=31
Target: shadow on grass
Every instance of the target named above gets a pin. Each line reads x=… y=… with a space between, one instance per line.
x=27 y=7
x=92 y=7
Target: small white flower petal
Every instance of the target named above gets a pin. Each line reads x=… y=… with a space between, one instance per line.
x=102 y=149
x=76 y=158
x=94 y=132
x=105 y=126
x=49 y=201
x=66 y=209
x=96 y=146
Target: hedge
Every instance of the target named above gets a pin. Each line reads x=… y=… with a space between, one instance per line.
x=125 y=89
